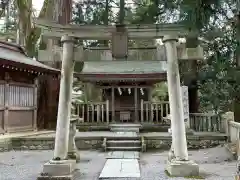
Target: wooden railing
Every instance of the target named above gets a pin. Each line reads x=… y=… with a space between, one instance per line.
x=94 y=112
x=154 y=112
x=205 y=122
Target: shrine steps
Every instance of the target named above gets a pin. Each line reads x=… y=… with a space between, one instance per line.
x=126 y=144
x=130 y=145
x=126 y=138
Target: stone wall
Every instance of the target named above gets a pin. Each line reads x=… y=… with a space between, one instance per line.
x=48 y=143
x=156 y=143
x=5 y=145
x=166 y=144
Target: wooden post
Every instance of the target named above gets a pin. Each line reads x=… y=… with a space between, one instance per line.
x=113 y=105
x=167 y=108
x=6 y=105
x=93 y=110
x=83 y=111
x=142 y=120
x=88 y=117
x=149 y=106
x=35 y=104
x=98 y=112
x=151 y=115
x=107 y=110
x=156 y=107
x=136 y=103
x=147 y=111
x=102 y=112
x=162 y=109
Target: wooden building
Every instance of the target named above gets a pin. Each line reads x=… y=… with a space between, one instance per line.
x=18 y=88
x=126 y=91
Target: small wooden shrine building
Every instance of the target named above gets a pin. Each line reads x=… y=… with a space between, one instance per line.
x=19 y=88
x=126 y=88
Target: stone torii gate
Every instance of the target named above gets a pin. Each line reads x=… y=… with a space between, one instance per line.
x=180 y=165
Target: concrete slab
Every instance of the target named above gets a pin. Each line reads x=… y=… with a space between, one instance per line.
x=123 y=155
x=120 y=168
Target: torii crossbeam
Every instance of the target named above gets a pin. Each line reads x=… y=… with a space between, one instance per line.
x=104 y=32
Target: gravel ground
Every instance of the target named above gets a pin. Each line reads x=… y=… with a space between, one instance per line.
x=215 y=164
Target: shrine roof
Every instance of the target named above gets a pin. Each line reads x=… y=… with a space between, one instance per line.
x=124 y=67
x=14 y=55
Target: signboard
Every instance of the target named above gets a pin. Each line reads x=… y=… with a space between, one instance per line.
x=184 y=93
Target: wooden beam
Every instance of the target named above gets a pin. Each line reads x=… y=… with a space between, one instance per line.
x=113 y=105
x=104 y=32
x=136 y=103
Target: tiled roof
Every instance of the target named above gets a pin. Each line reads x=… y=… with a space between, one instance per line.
x=14 y=53
x=124 y=67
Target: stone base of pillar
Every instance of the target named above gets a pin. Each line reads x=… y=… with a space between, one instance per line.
x=178 y=168
x=59 y=170
x=74 y=156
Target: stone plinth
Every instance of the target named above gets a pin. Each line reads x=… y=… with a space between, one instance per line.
x=59 y=170
x=178 y=168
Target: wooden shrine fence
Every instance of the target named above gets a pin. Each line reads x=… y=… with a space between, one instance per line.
x=149 y=113
x=18 y=107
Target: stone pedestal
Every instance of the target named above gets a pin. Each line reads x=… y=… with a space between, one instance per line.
x=59 y=170
x=178 y=168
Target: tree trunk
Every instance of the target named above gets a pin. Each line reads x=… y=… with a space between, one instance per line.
x=237 y=98
x=192 y=42
x=122 y=12
x=60 y=11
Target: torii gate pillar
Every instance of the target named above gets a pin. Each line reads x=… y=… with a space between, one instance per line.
x=180 y=165
x=60 y=166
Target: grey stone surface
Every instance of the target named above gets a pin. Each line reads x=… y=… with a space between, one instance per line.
x=120 y=168
x=123 y=155
x=64 y=168
x=214 y=163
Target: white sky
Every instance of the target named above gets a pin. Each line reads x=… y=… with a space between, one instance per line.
x=37 y=4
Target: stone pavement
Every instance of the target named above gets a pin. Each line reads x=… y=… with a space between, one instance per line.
x=215 y=164
x=123 y=155
x=121 y=164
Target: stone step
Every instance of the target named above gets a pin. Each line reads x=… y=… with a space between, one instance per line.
x=126 y=125
x=123 y=143
x=124 y=129
x=138 y=148
x=123 y=138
